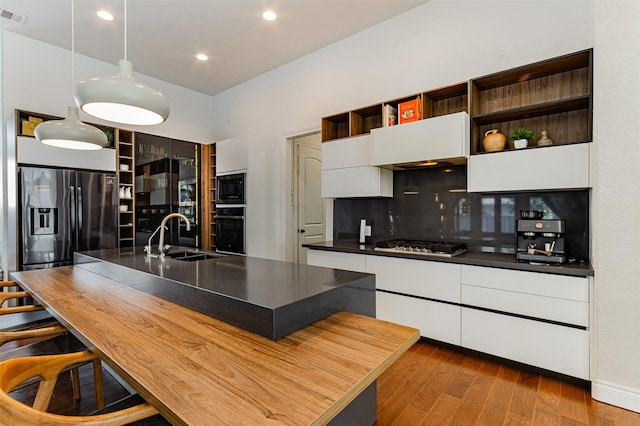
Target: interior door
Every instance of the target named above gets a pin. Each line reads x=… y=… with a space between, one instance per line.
x=311 y=214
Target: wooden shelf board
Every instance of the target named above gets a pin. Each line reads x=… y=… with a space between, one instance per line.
x=554 y=107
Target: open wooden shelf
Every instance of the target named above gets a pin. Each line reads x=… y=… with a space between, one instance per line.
x=555 y=95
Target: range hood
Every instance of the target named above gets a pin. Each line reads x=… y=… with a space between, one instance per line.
x=432 y=142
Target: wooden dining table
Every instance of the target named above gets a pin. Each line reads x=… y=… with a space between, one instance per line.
x=197 y=370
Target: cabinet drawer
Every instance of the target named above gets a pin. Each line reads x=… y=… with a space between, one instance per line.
x=561 y=310
x=435 y=280
x=439 y=321
x=548 y=285
x=343 y=153
x=336 y=260
x=552 y=347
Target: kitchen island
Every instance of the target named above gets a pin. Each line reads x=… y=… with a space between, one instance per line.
x=197 y=370
x=267 y=297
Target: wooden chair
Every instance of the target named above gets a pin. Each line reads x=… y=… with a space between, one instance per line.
x=7 y=295
x=32 y=322
x=24 y=321
x=17 y=370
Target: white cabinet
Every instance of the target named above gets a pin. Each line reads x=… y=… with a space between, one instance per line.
x=232 y=155
x=549 y=346
x=347 y=170
x=336 y=260
x=553 y=167
x=434 y=280
x=437 y=138
x=419 y=288
x=551 y=329
x=529 y=317
x=357 y=182
x=344 y=153
x=30 y=151
x=435 y=320
x=549 y=297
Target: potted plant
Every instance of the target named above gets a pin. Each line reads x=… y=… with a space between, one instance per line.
x=522 y=137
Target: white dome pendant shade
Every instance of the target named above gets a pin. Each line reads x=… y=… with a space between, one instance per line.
x=71 y=133
x=121 y=99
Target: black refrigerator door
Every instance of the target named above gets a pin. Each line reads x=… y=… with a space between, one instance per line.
x=46 y=219
x=97 y=215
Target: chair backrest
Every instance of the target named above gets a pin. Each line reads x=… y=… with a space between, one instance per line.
x=8 y=295
x=50 y=331
x=17 y=370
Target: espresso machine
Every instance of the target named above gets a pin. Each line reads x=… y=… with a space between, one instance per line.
x=541 y=240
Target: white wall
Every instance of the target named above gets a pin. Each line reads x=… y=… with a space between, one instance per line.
x=437 y=44
x=616 y=201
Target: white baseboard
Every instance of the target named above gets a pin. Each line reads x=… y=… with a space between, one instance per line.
x=616 y=395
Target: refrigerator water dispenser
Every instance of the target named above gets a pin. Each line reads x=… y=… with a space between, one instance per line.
x=44 y=221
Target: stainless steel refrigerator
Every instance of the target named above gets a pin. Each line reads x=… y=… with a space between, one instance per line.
x=64 y=211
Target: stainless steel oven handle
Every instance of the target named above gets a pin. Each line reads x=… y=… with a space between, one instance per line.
x=228 y=217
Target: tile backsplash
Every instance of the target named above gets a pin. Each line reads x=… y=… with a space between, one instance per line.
x=432 y=204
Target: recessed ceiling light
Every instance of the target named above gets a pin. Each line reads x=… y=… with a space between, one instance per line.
x=105 y=15
x=269 y=15
x=202 y=56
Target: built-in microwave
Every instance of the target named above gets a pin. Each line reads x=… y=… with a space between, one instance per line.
x=230 y=189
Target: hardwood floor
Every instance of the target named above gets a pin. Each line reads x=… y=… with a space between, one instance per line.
x=433 y=385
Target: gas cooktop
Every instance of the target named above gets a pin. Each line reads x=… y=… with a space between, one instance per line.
x=430 y=248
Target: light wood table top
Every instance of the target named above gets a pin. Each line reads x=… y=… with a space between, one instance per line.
x=197 y=370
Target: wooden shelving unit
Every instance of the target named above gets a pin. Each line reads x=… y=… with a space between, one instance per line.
x=553 y=95
x=124 y=154
x=208 y=230
x=435 y=103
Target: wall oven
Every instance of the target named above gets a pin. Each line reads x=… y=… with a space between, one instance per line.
x=230 y=230
x=230 y=189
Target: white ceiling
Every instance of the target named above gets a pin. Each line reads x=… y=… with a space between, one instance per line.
x=163 y=36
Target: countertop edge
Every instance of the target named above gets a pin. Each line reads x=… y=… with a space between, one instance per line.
x=490 y=260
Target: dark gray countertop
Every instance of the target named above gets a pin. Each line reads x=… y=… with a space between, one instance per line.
x=268 y=297
x=492 y=260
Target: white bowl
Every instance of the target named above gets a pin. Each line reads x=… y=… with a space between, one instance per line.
x=123 y=208
x=124 y=167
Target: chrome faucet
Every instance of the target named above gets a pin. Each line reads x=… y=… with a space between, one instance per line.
x=162 y=248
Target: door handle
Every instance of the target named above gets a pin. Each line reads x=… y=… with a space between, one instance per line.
x=301 y=231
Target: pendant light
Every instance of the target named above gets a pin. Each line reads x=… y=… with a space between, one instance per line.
x=120 y=98
x=71 y=133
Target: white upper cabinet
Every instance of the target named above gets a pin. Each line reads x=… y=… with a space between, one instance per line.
x=30 y=151
x=437 y=138
x=557 y=167
x=347 y=170
x=349 y=152
x=232 y=155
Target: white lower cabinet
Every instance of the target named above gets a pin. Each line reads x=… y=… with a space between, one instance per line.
x=435 y=280
x=529 y=317
x=336 y=260
x=549 y=301
x=436 y=320
x=553 y=347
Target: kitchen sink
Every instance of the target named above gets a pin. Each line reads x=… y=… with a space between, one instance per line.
x=192 y=256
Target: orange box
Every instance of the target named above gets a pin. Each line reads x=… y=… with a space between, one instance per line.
x=410 y=111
